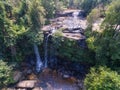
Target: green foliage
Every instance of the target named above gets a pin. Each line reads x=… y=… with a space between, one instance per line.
x=9 y=27
x=19 y=20
x=59 y=5
x=49 y=8
x=102 y=78
x=69 y=49
x=35 y=37
x=105 y=47
x=88 y=5
x=93 y=16
x=5 y=74
x=72 y=3
x=90 y=42
x=58 y=33
x=105 y=44
x=37 y=20
x=113 y=14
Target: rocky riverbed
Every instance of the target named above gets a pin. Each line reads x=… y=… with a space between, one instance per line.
x=64 y=76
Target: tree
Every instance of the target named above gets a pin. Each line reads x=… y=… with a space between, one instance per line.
x=93 y=16
x=102 y=78
x=10 y=30
x=105 y=44
x=34 y=34
x=113 y=15
x=109 y=38
x=88 y=5
x=5 y=74
x=49 y=7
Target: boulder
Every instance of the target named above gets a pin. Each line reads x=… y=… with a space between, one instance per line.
x=13 y=89
x=46 y=70
x=65 y=76
x=27 y=84
x=17 y=76
x=32 y=76
x=37 y=88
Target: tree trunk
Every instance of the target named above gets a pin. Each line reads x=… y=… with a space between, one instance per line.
x=38 y=58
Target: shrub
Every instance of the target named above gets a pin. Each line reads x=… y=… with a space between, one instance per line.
x=102 y=78
x=5 y=74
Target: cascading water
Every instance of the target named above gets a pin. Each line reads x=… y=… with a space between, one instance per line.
x=73 y=22
x=46 y=47
x=75 y=19
x=39 y=63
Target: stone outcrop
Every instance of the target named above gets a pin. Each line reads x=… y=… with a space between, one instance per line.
x=17 y=76
x=27 y=84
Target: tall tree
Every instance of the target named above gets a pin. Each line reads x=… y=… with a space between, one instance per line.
x=49 y=7
x=10 y=30
x=37 y=14
x=106 y=43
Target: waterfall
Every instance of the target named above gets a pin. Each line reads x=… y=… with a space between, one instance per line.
x=73 y=22
x=46 y=37
x=46 y=50
x=75 y=14
x=75 y=19
x=38 y=58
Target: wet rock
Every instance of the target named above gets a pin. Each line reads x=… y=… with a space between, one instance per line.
x=27 y=71
x=17 y=76
x=42 y=84
x=73 y=80
x=14 y=89
x=46 y=70
x=44 y=75
x=65 y=76
x=27 y=84
x=80 y=84
x=54 y=73
x=37 y=88
x=32 y=76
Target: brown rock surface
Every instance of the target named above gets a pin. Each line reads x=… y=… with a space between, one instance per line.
x=32 y=76
x=17 y=76
x=27 y=84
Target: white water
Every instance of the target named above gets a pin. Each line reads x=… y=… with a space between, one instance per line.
x=73 y=22
x=39 y=63
x=46 y=47
x=75 y=19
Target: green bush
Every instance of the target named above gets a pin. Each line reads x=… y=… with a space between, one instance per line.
x=102 y=78
x=5 y=74
x=69 y=49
